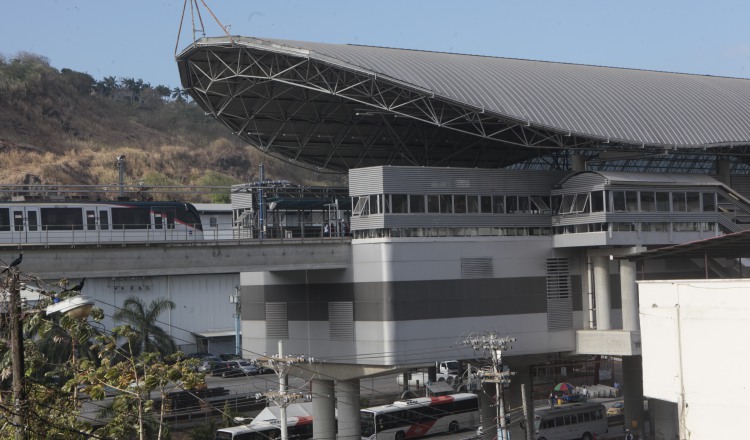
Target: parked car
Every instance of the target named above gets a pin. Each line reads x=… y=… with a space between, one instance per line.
x=207 y=363
x=239 y=367
x=262 y=369
x=616 y=409
x=229 y=357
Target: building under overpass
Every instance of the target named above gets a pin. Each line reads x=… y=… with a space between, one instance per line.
x=487 y=194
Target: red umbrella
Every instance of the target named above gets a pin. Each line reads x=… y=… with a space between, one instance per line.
x=565 y=387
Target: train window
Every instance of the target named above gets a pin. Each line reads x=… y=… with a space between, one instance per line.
x=103 y=220
x=18 y=220
x=157 y=220
x=5 y=219
x=33 y=224
x=91 y=220
x=62 y=219
x=130 y=218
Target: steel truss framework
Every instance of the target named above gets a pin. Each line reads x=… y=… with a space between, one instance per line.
x=324 y=116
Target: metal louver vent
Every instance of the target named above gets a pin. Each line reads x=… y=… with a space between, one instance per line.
x=341 y=320
x=559 y=301
x=478 y=267
x=277 y=326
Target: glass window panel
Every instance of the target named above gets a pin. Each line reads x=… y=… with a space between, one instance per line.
x=459 y=204
x=693 y=201
x=597 y=201
x=399 y=203
x=91 y=220
x=4 y=219
x=416 y=203
x=631 y=201
x=709 y=202
x=486 y=204
x=511 y=204
x=472 y=204
x=679 y=203
x=499 y=205
x=648 y=201
x=618 y=201
x=523 y=204
x=374 y=208
x=662 y=201
x=63 y=219
x=33 y=224
x=433 y=203
x=446 y=204
x=582 y=202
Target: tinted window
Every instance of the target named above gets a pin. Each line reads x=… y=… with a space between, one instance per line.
x=5 y=219
x=130 y=218
x=62 y=219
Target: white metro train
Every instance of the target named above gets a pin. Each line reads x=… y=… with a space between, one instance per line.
x=98 y=222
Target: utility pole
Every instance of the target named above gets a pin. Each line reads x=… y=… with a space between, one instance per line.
x=121 y=173
x=495 y=346
x=235 y=299
x=16 y=346
x=281 y=365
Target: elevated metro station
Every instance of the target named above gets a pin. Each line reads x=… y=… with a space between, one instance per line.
x=487 y=194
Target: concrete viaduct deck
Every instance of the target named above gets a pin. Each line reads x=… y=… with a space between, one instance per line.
x=199 y=257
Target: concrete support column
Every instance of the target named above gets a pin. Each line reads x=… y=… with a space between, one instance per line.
x=347 y=394
x=601 y=285
x=632 y=378
x=629 y=295
x=515 y=396
x=324 y=409
x=577 y=162
x=724 y=171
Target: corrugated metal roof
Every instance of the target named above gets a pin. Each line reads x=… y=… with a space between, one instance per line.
x=625 y=105
x=624 y=177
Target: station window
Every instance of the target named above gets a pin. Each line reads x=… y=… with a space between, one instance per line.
x=416 y=203
x=433 y=203
x=499 y=205
x=399 y=203
x=662 y=201
x=648 y=201
x=459 y=204
x=446 y=204
x=485 y=202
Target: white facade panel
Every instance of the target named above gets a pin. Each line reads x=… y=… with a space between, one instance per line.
x=692 y=349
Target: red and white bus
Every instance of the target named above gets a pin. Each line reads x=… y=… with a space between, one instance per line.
x=414 y=418
x=267 y=426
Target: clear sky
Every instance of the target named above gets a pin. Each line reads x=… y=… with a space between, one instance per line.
x=136 y=38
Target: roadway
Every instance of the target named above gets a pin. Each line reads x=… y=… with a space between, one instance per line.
x=377 y=391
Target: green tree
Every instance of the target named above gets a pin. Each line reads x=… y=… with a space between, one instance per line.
x=147 y=336
x=214 y=179
x=134 y=378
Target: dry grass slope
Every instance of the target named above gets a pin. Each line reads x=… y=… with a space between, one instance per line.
x=56 y=128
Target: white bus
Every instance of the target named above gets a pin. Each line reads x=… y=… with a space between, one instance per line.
x=420 y=417
x=266 y=425
x=584 y=421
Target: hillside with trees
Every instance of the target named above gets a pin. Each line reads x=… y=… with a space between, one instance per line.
x=62 y=127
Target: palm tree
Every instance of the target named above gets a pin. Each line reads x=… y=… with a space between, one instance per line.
x=148 y=337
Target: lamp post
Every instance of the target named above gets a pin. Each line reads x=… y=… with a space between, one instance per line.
x=235 y=299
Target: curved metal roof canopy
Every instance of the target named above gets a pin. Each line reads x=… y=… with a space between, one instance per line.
x=336 y=107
